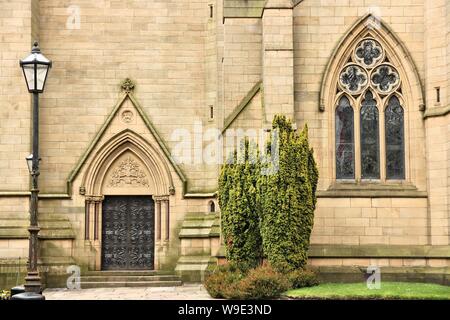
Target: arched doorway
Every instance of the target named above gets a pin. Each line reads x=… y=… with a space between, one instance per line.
x=127 y=190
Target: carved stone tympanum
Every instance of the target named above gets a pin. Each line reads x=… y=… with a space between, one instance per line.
x=128 y=174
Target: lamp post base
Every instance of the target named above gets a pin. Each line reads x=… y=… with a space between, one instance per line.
x=17 y=290
x=28 y=296
x=33 y=282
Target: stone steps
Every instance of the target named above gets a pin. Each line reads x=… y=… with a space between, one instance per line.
x=115 y=279
x=128 y=273
x=126 y=278
x=119 y=284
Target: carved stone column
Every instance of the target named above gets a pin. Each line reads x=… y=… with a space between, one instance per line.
x=164 y=218
x=161 y=228
x=157 y=219
x=167 y=220
x=97 y=218
x=92 y=217
x=87 y=212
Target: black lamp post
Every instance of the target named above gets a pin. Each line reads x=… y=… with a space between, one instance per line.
x=35 y=69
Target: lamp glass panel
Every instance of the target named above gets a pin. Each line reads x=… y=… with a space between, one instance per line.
x=28 y=70
x=29 y=160
x=41 y=75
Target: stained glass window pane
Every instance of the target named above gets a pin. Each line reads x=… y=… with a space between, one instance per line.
x=370 y=142
x=395 y=142
x=345 y=150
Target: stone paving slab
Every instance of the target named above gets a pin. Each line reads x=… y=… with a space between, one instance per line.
x=184 y=292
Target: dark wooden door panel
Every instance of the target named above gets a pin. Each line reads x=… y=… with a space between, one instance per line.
x=128 y=233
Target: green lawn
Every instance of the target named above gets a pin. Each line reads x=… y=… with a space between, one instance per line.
x=389 y=290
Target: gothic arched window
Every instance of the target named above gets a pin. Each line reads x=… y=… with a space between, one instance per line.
x=395 y=140
x=345 y=149
x=369 y=90
x=370 y=144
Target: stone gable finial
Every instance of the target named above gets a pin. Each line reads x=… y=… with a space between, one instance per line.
x=127 y=85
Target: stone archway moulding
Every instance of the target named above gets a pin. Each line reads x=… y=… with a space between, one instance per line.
x=127 y=141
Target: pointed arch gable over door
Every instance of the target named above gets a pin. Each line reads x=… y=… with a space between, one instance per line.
x=128 y=105
x=127 y=142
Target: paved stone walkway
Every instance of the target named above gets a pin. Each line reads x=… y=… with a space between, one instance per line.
x=184 y=292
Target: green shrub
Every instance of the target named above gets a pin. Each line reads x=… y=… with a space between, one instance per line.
x=239 y=211
x=230 y=282
x=270 y=214
x=223 y=282
x=302 y=278
x=5 y=295
x=262 y=283
x=288 y=199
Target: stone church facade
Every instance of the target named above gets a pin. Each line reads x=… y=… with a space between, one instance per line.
x=138 y=85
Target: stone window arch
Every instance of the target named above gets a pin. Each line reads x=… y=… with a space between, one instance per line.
x=371 y=89
x=368 y=81
x=345 y=141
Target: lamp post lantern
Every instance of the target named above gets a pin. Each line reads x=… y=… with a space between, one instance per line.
x=29 y=160
x=35 y=70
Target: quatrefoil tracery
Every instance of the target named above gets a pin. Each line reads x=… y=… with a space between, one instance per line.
x=353 y=79
x=385 y=79
x=369 y=69
x=369 y=53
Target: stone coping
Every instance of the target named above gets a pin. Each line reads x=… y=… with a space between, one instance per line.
x=243 y=9
x=378 y=251
x=52 y=227
x=253 y=8
x=200 y=225
x=436 y=112
x=371 y=190
x=373 y=251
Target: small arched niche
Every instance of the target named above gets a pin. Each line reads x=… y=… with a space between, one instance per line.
x=211 y=206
